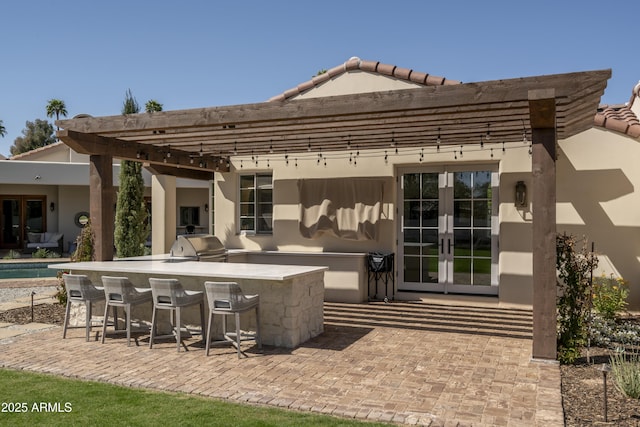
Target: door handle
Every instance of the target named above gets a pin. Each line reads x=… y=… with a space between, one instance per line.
x=441 y=246
x=449 y=246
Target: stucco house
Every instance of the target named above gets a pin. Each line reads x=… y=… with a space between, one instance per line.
x=457 y=217
x=47 y=190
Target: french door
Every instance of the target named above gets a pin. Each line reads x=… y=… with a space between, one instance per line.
x=448 y=230
x=19 y=215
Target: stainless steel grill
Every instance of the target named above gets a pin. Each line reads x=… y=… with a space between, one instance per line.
x=204 y=247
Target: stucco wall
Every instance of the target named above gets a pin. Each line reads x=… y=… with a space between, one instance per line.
x=598 y=197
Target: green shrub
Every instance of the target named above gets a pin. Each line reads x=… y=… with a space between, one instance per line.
x=625 y=371
x=61 y=290
x=84 y=252
x=84 y=245
x=40 y=253
x=12 y=254
x=610 y=296
x=574 y=295
x=613 y=333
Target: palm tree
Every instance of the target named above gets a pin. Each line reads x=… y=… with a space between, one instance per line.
x=152 y=106
x=3 y=130
x=56 y=107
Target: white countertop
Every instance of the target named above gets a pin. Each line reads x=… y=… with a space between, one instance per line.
x=162 y=265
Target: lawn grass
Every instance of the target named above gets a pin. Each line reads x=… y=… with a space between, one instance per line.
x=54 y=401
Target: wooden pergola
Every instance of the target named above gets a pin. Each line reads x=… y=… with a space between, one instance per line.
x=197 y=142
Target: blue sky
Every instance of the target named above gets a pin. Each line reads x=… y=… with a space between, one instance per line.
x=193 y=54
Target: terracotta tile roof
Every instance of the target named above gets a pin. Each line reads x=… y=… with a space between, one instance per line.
x=620 y=118
x=356 y=63
x=26 y=154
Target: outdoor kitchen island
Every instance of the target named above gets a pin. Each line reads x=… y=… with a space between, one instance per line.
x=291 y=296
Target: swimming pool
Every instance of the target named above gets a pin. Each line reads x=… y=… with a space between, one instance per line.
x=22 y=270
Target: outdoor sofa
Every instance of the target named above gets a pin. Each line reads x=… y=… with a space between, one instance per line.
x=49 y=241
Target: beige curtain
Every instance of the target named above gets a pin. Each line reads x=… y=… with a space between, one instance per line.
x=348 y=208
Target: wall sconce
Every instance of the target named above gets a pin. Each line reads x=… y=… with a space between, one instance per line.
x=206 y=207
x=52 y=206
x=521 y=195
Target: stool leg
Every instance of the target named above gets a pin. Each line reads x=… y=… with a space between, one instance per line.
x=178 y=333
x=202 y=332
x=238 y=338
x=87 y=326
x=127 y=314
x=258 y=337
x=104 y=324
x=66 y=318
x=209 y=323
x=153 y=326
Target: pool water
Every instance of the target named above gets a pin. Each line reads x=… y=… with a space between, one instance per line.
x=23 y=270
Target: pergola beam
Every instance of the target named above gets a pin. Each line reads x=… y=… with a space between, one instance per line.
x=91 y=144
x=459 y=113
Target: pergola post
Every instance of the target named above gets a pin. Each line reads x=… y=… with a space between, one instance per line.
x=163 y=213
x=101 y=205
x=542 y=111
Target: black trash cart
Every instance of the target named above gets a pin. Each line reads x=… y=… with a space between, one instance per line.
x=380 y=270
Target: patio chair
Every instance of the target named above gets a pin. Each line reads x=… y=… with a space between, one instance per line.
x=120 y=292
x=80 y=290
x=226 y=298
x=168 y=294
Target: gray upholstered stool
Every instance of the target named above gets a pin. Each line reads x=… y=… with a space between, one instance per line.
x=168 y=294
x=226 y=298
x=120 y=292
x=80 y=290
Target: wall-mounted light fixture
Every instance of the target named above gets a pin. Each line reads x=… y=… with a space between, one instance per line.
x=521 y=194
x=206 y=207
x=52 y=206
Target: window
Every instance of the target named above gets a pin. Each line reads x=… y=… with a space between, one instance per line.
x=189 y=215
x=256 y=203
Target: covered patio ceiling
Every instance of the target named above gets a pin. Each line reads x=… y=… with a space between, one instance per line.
x=193 y=143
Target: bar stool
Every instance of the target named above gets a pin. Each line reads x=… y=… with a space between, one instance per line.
x=120 y=292
x=226 y=298
x=168 y=294
x=80 y=290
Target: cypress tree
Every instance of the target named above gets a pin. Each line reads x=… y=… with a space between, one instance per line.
x=131 y=213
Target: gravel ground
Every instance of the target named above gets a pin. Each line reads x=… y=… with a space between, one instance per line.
x=12 y=289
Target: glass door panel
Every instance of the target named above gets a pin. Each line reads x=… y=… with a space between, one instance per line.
x=472 y=230
x=10 y=223
x=447 y=242
x=420 y=230
x=34 y=215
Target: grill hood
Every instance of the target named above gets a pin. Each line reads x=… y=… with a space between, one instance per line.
x=204 y=247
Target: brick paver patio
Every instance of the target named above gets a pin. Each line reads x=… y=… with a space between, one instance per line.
x=409 y=363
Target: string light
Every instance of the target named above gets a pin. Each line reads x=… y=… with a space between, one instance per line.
x=488 y=136
x=235 y=148
x=492 y=153
x=309 y=145
x=386 y=157
x=168 y=151
x=438 y=141
x=201 y=150
x=271 y=146
x=481 y=142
